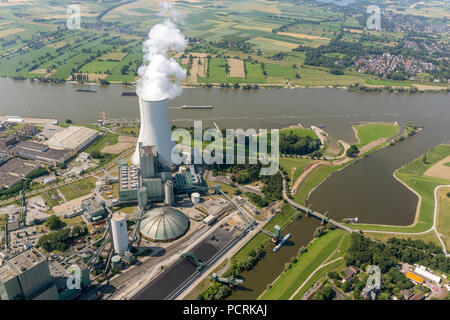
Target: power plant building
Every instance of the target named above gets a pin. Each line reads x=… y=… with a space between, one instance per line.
x=95 y=209
x=27 y=276
x=61 y=277
x=150 y=178
x=129 y=182
x=119 y=232
x=149 y=163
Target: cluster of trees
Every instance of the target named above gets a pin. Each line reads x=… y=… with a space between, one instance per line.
x=293 y=144
x=234 y=45
x=324 y=293
x=218 y=291
x=352 y=151
x=364 y=252
x=273 y=187
x=54 y=223
x=250 y=86
x=258 y=200
x=319 y=232
x=59 y=240
x=293 y=22
x=247 y=173
x=362 y=88
x=249 y=263
x=56 y=240
x=279 y=56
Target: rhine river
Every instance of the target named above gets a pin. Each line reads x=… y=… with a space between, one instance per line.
x=365 y=189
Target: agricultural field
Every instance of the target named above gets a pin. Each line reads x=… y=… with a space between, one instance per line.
x=250 y=42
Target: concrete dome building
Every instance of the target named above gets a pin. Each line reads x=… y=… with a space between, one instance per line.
x=163 y=224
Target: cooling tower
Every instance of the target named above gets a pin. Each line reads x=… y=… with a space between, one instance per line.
x=155 y=130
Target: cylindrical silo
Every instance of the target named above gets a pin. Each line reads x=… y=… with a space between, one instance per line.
x=115 y=261
x=119 y=232
x=195 y=197
x=168 y=193
x=155 y=130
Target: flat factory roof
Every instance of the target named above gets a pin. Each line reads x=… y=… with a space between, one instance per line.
x=72 y=137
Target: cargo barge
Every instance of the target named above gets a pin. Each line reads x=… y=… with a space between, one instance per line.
x=196 y=107
x=85 y=90
x=129 y=94
x=283 y=241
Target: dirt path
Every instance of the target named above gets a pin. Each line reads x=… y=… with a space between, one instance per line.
x=306 y=173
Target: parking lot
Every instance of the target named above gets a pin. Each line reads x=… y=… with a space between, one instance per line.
x=36 y=210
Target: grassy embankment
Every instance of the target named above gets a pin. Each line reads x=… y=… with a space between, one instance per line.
x=443 y=218
x=319 y=251
x=412 y=174
x=294 y=167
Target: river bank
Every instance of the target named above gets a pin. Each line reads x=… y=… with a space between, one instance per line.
x=406 y=89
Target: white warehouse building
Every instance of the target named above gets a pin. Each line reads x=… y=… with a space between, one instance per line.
x=73 y=137
x=119 y=232
x=422 y=271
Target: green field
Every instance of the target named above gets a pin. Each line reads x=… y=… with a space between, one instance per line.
x=391 y=83
x=99 y=67
x=106 y=140
x=49 y=200
x=317 y=252
x=443 y=220
x=216 y=71
x=78 y=189
x=374 y=131
x=294 y=167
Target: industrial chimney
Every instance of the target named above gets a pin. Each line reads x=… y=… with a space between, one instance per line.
x=155 y=130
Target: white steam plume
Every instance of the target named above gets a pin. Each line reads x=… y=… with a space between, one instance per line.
x=159 y=75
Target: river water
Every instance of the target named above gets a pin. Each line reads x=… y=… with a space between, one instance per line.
x=366 y=189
